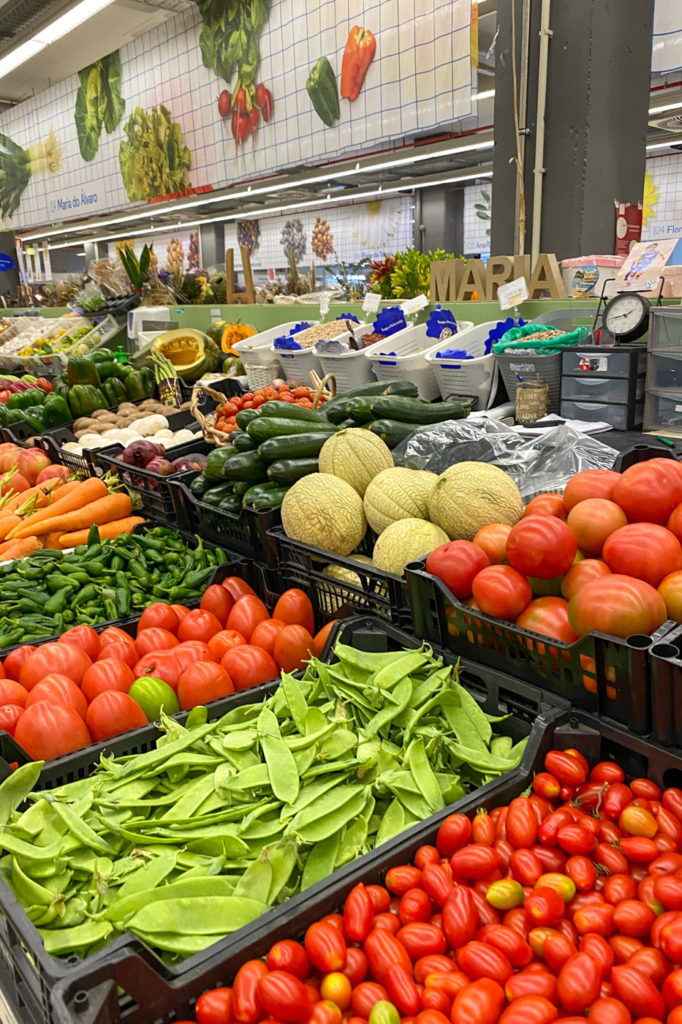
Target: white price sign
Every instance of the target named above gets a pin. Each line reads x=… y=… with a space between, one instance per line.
x=371 y=303
x=511 y=294
x=324 y=304
x=412 y=306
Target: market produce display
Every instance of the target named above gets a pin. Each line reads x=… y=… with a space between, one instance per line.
x=288 y=769
x=190 y=353
x=111 y=573
x=174 y=658
x=560 y=905
x=597 y=559
x=134 y=426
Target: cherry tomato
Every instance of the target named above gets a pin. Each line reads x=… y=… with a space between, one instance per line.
x=214 y=1007
x=380 y=897
x=356 y=965
x=578 y=983
x=566 y=768
x=434 y=964
x=582 y=872
x=525 y=867
x=474 y=861
x=574 y=839
x=283 y=996
x=246 y=1006
x=508 y=941
x=529 y=1010
x=483 y=829
x=637 y=821
x=453 y=833
x=337 y=988
x=599 y=949
x=533 y=980
x=383 y=949
x=480 y=960
x=609 y=1011
x=607 y=771
x=597 y=918
x=415 y=905
x=290 y=956
x=364 y=997
x=326 y=947
x=546 y=785
x=652 y=963
x=637 y=991
x=619 y=887
x=634 y=918
x=478 y=1003
x=521 y=823
x=400 y=879
x=358 y=914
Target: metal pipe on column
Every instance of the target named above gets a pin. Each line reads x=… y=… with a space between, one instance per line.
x=538 y=169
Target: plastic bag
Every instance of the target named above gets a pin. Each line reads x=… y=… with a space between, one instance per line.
x=536 y=464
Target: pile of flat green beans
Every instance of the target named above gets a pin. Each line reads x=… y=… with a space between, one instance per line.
x=98 y=582
x=189 y=841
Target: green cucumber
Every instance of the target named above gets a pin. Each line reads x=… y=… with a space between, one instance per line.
x=391 y=432
x=246 y=466
x=214 y=470
x=413 y=410
x=335 y=408
x=240 y=440
x=272 y=426
x=292 y=446
x=359 y=410
x=241 y=487
x=290 y=411
x=346 y=424
x=244 y=417
x=215 y=495
x=264 y=496
x=232 y=504
x=199 y=486
x=288 y=471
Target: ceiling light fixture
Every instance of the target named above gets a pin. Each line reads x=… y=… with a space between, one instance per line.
x=487 y=95
x=270 y=211
x=668 y=106
x=661 y=145
x=56 y=30
x=251 y=191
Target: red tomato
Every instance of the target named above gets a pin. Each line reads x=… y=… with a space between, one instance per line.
x=290 y=956
x=246 y=1007
x=421 y=938
x=415 y=905
x=160 y=615
x=492 y=540
x=169 y=665
x=9 y=716
x=616 y=605
x=670 y=589
x=478 y=1003
x=248 y=666
x=84 y=637
x=237 y=587
x=609 y=1011
x=113 y=634
x=529 y=1010
x=154 y=639
x=326 y=947
x=119 y=651
x=293 y=646
x=541 y=546
x=479 y=960
x=224 y=641
x=549 y=617
x=218 y=600
x=578 y=983
x=203 y=682
x=15 y=659
x=634 y=918
x=295 y=607
x=266 y=632
x=590 y=483
x=456 y=564
x=214 y=1007
x=649 y=491
x=66 y=659
x=60 y=690
x=364 y=997
x=532 y=981
x=549 y=504
x=581 y=573
x=50 y=730
x=284 y=997
x=247 y=612
x=521 y=823
x=636 y=990
x=12 y=693
x=113 y=712
x=320 y=639
x=199 y=625
x=358 y=914
x=643 y=550
x=501 y=591
x=181 y=610
x=593 y=521
x=108 y=674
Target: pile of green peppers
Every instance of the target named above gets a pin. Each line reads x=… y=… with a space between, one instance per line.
x=50 y=591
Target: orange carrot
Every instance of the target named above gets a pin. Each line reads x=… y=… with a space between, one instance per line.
x=51 y=541
x=63 y=490
x=7 y=523
x=88 y=491
x=104 y=510
x=107 y=531
x=19 y=548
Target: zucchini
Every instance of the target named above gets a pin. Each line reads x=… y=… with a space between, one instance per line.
x=292 y=446
x=272 y=426
x=241 y=487
x=199 y=486
x=345 y=424
x=246 y=466
x=413 y=410
x=288 y=471
x=232 y=504
x=391 y=432
x=290 y=411
x=264 y=496
x=244 y=417
x=214 y=470
x=215 y=495
x=359 y=410
x=240 y=440
x=335 y=408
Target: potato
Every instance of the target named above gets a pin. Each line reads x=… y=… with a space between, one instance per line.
x=99 y=414
x=84 y=422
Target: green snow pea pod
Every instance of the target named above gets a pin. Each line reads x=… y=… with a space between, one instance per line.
x=193 y=888
x=210 y=915
x=63 y=941
x=401 y=666
x=81 y=830
x=321 y=860
x=423 y=774
x=149 y=875
x=283 y=858
x=282 y=768
x=324 y=826
x=500 y=746
x=16 y=787
x=256 y=881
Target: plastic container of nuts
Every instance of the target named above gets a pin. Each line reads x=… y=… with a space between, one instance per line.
x=298 y=362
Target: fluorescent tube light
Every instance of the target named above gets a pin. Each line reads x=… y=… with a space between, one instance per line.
x=487 y=95
x=661 y=145
x=56 y=30
x=668 y=106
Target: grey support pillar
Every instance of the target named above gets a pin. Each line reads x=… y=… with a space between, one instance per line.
x=438 y=219
x=595 y=121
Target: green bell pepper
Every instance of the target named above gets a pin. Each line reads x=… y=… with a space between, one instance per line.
x=324 y=92
x=56 y=411
x=14 y=415
x=85 y=399
x=3 y=414
x=35 y=417
x=107 y=370
x=114 y=391
x=135 y=386
x=102 y=355
x=25 y=399
x=82 y=370
x=148 y=379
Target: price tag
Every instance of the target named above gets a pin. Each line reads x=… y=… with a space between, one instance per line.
x=371 y=303
x=215 y=313
x=324 y=304
x=412 y=306
x=511 y=294
x=271 y=274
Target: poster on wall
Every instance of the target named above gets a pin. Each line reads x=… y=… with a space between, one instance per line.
x=230 y=90
x=666 y=43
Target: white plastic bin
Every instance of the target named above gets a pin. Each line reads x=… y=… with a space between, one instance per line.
x=299 y=362
x=261 y=364
x=409 y=362
x=351 y=369
x=472 y=377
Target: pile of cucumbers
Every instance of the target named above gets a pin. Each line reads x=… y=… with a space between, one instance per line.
x=279 y=443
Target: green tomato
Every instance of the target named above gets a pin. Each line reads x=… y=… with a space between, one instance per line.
x=154 y=696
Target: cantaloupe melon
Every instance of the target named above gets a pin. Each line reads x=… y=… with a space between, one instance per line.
x=470 y=495
x=324 y=511
x=356 y=456
x=404 y=541
x=398 y=493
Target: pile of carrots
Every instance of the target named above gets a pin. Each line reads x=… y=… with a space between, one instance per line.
x=64 y=514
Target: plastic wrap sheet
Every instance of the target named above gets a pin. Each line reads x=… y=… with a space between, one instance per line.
x=537 y=464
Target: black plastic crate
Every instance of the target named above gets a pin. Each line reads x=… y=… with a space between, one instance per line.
x=642 y=452
x=246 y=531
x=130 y=989
x=602 y=674
x=666 y=689
x=338 y=583
x=28 y=974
